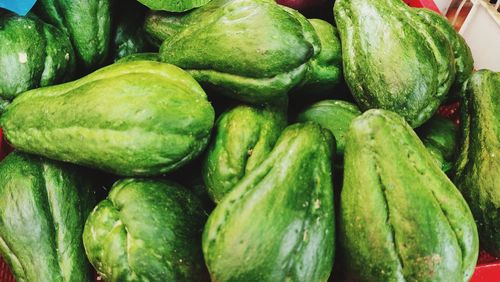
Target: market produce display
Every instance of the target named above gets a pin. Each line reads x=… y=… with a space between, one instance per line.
x=32 y=54
x=146 y=230
x=278 y=222
x=477 y=172
x=43 y=208
x=244 y=140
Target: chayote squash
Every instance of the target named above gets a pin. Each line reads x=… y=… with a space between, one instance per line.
x=147 y=56
x=464 y=63
x=132 y=118
x=129 y=36
x=477 y=171
x=244 y=136
x=277 y=224
x=43 y=207
x=146 y=230
x=393 y=59
x=32 y=54
x=439 y=136
x=86 y=22
x=173 y=6
x=335 y=115
x=253 y=50
x=401 y=218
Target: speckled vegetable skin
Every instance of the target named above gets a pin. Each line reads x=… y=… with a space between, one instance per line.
x=335 y=115
x=146 y=230
x=401 y=218
x=129 y=36
x=477 y=172
x=464 y=63
x=243 y=138
x=32 y=54
x=86 y=22
x=277 y=224
x=173 y=6
x=134 y=118
x=43 y=207
x=393 y=59
x=253 y=50
x=439 y=136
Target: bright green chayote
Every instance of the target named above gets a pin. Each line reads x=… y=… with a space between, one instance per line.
x=252 y=50
x=131 y=118
x=393 y=59
x=86 y=22
x=146 y=230
x=43 y=208
x=243 y=138
x=401 y=218
x=277 y=223
x=477 y=171
x=32 y=54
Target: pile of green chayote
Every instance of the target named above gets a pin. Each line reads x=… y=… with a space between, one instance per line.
x=238 y=140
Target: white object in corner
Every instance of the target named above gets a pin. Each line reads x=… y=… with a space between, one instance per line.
x=481 y=31
x=443 y=5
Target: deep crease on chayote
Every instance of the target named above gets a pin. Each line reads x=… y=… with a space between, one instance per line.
x=254 y=51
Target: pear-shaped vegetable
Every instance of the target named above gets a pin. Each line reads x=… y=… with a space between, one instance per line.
x=243 y=138
x=277 y=224
x=393 y=59
x=146 y=230
x=252 y=50
x=131 y=118
x=32 y=54
x=86 y=22
x=43 y=208
x=401 y=218
x=477 y=171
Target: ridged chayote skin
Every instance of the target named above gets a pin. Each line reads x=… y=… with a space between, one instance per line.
x=146 y=230
x=32 y=54
x=173 y=6
x=131 y=118
x=277 y=224
x=477 y=171
x=393 y=59
x=43 y=208
x=86 y=22
x=464 y=63
x=252 y=50
x=401 y=218
x=243 y=138
x=439 y=136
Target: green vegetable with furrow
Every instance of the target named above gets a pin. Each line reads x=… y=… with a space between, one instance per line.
x=173 y=6
x=393 y=59
x=477 y=170
x=43 y=207
x=86 y=22
x=132 y=118
x=32 y=54
x=277 y=223
x=401 y=218
x=243 y=138
x=146 y=230
x=253 y=51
